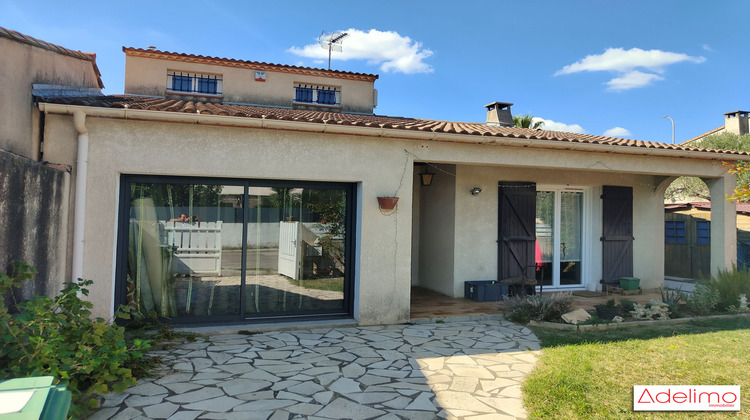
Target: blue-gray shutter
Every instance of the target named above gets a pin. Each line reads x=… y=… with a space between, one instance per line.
x=617 y=234
x=516 y=229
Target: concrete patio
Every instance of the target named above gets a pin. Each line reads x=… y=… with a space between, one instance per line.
x=451 y=370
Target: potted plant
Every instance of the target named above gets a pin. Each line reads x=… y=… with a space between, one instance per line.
x=607 y=311
x=387 y=203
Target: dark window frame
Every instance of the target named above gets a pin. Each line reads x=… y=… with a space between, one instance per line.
x=121 y=261
x=703 y=232
x=195 y=83
x=208 y=85
x=317 y=95
x=675 y=232
x=182 y=83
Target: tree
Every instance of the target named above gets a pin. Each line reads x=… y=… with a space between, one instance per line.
x=527 y=121
x=686 y=187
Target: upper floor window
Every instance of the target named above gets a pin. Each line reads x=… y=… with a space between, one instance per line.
x=194 y=83
x=321 y=95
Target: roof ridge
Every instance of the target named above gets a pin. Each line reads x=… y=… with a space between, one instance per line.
x=700 y=136
x=244 y=63
x=35 y=42
x=26 y=39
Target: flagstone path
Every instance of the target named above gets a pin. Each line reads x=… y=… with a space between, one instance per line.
x=451 y=370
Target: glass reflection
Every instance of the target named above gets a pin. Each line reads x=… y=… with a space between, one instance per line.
x=184 y=244
x=295 y=251
x=545 y=241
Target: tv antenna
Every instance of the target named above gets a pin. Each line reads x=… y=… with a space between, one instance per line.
x=332 y=41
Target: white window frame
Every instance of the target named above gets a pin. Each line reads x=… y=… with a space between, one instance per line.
x=586 y=240
x=194 y=80
x=315 y=88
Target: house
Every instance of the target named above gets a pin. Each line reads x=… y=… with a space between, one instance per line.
x=735 y=122
x=33 y=193
x=224 y=190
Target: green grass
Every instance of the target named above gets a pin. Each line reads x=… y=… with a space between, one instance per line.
x=335 y=284
x=590 y=375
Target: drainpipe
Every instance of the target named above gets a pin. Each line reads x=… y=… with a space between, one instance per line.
x=79 y=120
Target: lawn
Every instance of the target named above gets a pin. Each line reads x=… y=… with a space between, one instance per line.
x=590 y=375
x=335 y=284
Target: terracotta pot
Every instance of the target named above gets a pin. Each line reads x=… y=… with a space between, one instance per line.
x=387 y=203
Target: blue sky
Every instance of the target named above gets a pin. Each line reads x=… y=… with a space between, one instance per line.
x=586 y=66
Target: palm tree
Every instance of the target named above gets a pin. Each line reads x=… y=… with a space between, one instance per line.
x=526 y=121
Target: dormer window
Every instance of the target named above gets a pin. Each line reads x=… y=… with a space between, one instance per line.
x=205 y=84
x=320 y=95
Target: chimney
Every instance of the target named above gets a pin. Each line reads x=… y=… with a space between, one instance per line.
x=498 y=114
x=736 y=122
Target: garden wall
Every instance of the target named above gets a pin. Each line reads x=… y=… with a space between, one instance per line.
x=33 y=221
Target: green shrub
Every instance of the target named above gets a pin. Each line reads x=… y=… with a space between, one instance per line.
x=672 y=297
x=57 y=337
x=730 y=284
x=703 y=299
x=536 y=307
x=627 y=305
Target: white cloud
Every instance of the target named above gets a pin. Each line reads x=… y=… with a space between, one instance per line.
x=626 y=63
x=633 y=79
x=707 y=47
x=393 y=52
x=617 y=132
x=558 y=126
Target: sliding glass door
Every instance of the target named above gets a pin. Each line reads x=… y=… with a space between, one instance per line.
x=296 y=250
x=559 y=232
x=209 y=250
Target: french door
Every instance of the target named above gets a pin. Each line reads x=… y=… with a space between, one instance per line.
x=559 y=236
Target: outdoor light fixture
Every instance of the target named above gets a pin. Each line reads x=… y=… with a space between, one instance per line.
x=426 y=178
x=476 y=191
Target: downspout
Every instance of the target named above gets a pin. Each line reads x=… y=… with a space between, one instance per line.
x=79 y=120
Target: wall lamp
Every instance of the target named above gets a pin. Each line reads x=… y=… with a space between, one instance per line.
x=475 y=191
x=426 y=178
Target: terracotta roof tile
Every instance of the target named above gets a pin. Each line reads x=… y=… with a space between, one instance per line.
x=256 y=65
x=714 y=131
x=379 y=121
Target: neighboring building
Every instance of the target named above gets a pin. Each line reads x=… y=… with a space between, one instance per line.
x=33 y=195
x=220 y=80
x=687 y=239
x=735 y=122
x=208 y=195
x=28 y=62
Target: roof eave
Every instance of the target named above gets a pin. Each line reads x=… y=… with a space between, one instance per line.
x=324 y=127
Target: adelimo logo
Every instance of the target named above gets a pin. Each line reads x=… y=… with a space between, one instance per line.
x=686 y=398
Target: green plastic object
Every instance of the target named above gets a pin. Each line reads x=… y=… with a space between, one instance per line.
x=33 y=398
x=630 y=283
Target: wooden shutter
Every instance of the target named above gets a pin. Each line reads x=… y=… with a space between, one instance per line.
x=617 y=230
x=516 y=229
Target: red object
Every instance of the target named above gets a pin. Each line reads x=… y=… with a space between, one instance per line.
x=538 y=255
x=387 y=203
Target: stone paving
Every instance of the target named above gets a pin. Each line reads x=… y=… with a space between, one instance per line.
x=451 y=370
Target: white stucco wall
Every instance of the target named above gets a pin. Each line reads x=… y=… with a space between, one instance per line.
x=383 y=266
x=457 y=232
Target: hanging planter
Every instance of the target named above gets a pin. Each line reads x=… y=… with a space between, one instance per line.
x=387 y=203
